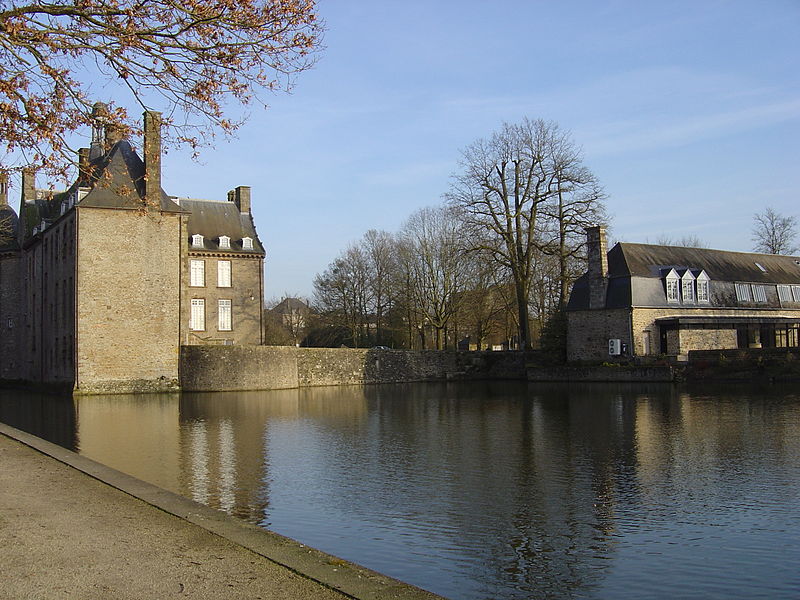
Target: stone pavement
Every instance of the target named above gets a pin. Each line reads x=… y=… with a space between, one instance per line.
x=69 y=531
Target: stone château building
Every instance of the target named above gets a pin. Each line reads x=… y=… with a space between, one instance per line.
x=101 y=284
x=642 y=299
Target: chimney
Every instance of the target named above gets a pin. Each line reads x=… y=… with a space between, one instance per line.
x=152 y=159
x=231 y=196
x=28 y=184
x=83 y=166
x=242 y=198
x=3 y=187
x=596 y=254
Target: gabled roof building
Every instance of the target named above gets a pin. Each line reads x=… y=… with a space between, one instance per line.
x=642 y=299
x=96 y=282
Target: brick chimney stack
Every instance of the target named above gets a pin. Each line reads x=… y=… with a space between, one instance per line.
x=242 y=198
x=596 y=253
x=152 y=159
x=28 y=184
x=83 y=165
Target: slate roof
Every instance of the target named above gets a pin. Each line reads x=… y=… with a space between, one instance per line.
x=645 y=260
x=635 y=274
x=120 y=181
x=215 y=218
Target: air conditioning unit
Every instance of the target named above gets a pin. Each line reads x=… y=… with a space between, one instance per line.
x=615 y=347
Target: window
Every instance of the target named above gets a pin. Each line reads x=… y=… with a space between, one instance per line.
x=197 y=241
x=224 y=315
x=197 y=273
x=224 y=241
x=703 y=294
x=743 y=292
x=761 y=267
x=785 y=293
x=759 y=293
x=224 y=273
x=198 y=318
x=796 y=293
x=672 y=289
x=687 y=290
x=247 y=243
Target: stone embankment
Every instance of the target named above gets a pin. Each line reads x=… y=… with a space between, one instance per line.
x=71 y=527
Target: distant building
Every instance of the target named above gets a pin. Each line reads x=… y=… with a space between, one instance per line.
x=641 y=299
x=287 y=322
x=101 y=284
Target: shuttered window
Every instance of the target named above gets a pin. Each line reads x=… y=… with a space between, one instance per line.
x=198 y=319
x=785 y=293
x=224 y=316
x=197 y=273
x=224 y=273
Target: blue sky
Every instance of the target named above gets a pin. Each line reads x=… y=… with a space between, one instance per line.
x=687 y=112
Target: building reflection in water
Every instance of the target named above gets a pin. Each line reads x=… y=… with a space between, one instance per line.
x=479 y=490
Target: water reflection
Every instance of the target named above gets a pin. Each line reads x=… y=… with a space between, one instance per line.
x=483 y=490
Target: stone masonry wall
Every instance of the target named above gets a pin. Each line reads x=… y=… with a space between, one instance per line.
x=10 y=317
x=128 y=301
x=588 y=332
x=220 y=368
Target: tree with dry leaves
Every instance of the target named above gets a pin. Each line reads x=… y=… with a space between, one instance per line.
x=192 y=60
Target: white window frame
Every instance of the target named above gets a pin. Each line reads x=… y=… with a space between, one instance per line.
x=759 y=293
x=224 y=269
x=796 y=292
x=687 y=287
x=197 y=241
x=224 y=315
x=197 y=320
x=673 y=288
x=703 y=288
x=247 y=243
x=224 y=242
x=197 y=273
x=743 y=292
x=785 y=293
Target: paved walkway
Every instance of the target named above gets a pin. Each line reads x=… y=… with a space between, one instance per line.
x=68 y=534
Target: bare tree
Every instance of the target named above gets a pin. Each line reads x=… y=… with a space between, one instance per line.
x=432 y=254
x=342 y=293
x=379 y=247
x=773 y=233
x=685 y=241
x=504 y=186
x=189 y=59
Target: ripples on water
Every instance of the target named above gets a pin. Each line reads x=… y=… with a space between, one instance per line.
x=482 y=490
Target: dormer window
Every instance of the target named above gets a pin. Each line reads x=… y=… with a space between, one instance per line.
x=224 y=242
x=673 y=287
x=687 y=287
x=703 y=287
x=247 y=243
x=197 y=241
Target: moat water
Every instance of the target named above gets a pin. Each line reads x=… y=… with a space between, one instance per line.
x=482 y=490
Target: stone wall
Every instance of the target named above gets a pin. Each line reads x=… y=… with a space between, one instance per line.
x=235 y=368
x=128 y=301
x=245 y=294
x=11 y=321
x=221 y=368
x=588 y=332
